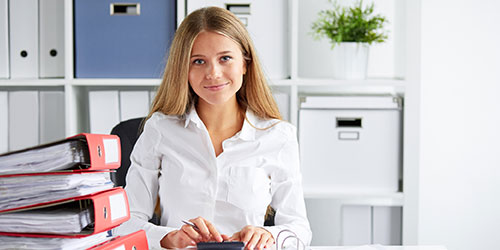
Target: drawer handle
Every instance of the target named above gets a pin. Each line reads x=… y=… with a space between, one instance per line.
x=125 y=9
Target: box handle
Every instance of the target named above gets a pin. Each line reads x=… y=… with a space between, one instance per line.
x=349 y=122
x=239 y=9
x=125 y=9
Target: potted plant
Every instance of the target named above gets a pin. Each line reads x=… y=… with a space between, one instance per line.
x=350 y=30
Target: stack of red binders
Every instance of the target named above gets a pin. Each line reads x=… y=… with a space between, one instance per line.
x=60 y=196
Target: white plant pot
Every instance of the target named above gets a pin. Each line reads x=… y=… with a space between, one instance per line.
x=350 y=60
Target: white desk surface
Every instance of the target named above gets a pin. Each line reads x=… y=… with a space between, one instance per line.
x=366 y=247
x=377 y=247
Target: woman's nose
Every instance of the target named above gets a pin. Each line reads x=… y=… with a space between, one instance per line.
x=213 y=71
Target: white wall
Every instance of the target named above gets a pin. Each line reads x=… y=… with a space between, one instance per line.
x=459 y=189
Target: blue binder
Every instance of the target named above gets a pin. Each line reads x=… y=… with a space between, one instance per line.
x=122 y=38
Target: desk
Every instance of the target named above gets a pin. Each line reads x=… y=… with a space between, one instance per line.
x=366 y=247
x=376 y=247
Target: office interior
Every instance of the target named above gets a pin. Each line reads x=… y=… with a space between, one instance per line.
x=422 y=170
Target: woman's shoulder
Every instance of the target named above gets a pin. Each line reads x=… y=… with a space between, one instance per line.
x=159 y=119
x=276 y=126
x=159 y=116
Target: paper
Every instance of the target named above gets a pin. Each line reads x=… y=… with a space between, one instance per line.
x=46 y=220
x=9 y=242
x=111 y=150
x=118 y=206
x=45 y=159
x=19 y=191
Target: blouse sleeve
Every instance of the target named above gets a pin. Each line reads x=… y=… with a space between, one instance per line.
x=142 y=186
x=288 y=196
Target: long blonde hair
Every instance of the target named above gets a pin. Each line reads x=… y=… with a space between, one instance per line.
x=175 y=96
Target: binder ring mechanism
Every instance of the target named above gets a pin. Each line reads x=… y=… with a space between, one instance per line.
x=292 y=236
x=124 y=9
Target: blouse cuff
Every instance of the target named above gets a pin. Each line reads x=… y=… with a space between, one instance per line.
x=156 y=233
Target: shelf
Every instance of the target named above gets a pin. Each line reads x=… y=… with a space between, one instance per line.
x=147 y=82
x=380 y=82
x=116 y=82
x=32 y=82
x=357 y=198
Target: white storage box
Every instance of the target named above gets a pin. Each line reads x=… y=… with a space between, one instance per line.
x=350 y=143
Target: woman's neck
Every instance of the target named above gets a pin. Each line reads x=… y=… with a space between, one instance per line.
x=216 y=118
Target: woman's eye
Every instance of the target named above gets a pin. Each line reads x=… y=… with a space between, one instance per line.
x=198 y=61
x=225 y=58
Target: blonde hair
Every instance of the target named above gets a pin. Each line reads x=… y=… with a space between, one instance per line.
x=175 y=96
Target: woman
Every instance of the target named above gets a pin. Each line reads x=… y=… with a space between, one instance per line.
x=214 y=149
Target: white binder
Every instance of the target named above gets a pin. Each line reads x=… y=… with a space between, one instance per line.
x=152 y=95
x=104 y=111
x=282 y=100
x=52 y=121
x=133 y=104
x=4 y=122
x=51 y=38
x=387 y=225
x=23 y=119
x=4 y=40
x=356 y=225
x=23 y=24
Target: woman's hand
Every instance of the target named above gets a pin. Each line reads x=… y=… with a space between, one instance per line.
x=254 y=237
x=189 y=236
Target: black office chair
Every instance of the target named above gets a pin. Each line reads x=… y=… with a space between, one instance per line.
x=129 y=131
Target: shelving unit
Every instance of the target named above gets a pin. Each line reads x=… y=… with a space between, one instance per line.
x=76 y=94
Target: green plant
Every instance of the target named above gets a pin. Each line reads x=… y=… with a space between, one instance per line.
x=350 y=24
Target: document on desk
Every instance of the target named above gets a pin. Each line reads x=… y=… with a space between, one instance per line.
x=9 y=242
x=24 y=190
x=46 y=220
x=82 y=152
x=44 y=159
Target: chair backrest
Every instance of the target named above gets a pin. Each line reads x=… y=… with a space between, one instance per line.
x=129 y=132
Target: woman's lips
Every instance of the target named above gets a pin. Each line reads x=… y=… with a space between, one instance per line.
x=216 y=87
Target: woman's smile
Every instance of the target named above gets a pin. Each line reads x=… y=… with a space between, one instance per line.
x=216 y=87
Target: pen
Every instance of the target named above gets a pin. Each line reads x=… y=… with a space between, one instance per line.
x=191 y=224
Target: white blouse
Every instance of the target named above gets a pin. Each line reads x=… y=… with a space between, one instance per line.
x=175 y=159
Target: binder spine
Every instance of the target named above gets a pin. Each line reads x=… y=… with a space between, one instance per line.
x=4 y=40
x=23 y=24
x=133 y=241
x=110 y=209
x=104 y=150
x=51 y=38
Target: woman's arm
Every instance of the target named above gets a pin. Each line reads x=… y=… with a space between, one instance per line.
x=287 y=194
x=142 y=186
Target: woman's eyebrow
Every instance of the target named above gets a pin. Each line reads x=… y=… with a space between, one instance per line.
x=224 y=52
x=219 y=53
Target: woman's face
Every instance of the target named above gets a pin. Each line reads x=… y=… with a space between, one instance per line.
x=216 y=68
